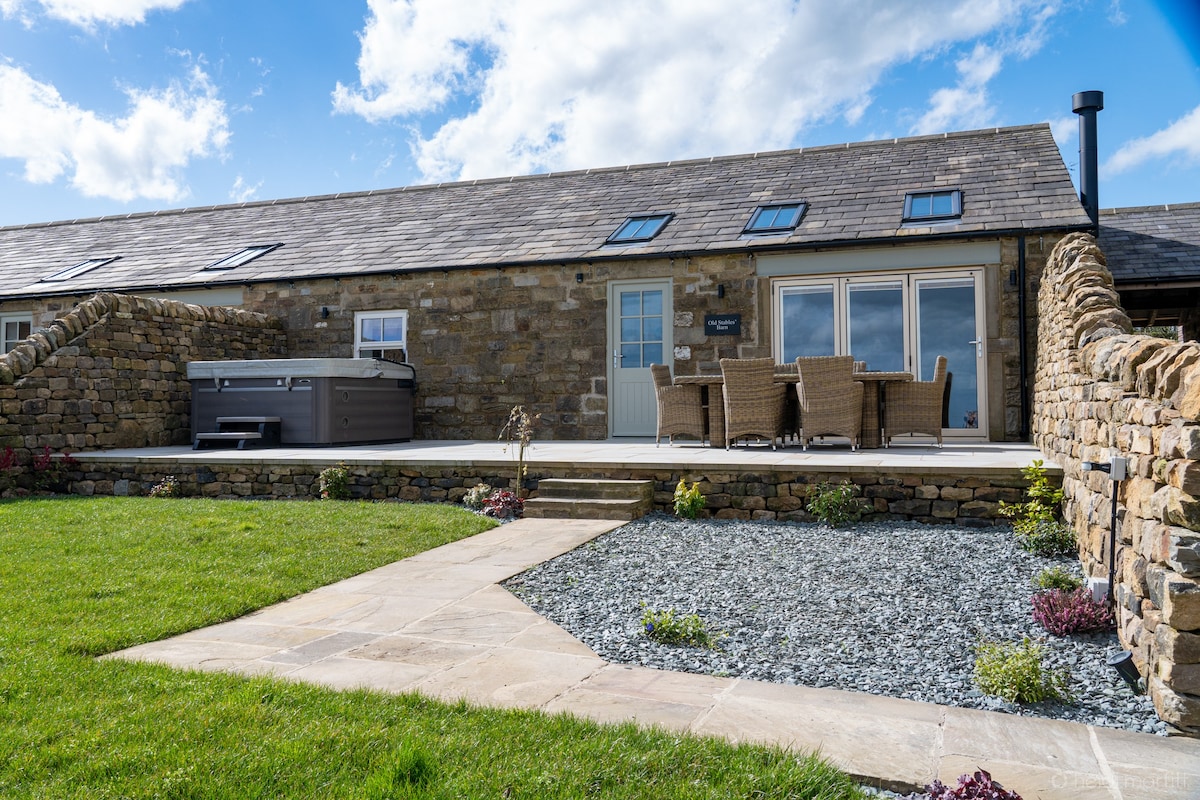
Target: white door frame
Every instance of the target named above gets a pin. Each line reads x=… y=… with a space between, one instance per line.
x=636 y=382
x=908 y=280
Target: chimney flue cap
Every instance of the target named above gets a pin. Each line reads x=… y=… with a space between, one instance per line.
x=1084 y=101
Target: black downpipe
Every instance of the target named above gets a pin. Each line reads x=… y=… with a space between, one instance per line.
x=1022 y=334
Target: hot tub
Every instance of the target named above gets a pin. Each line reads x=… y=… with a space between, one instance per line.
x=317 y=401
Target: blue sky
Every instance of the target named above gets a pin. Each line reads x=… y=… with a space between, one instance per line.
x=120 y=106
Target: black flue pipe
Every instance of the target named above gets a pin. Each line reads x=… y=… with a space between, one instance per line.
x=1086 y=104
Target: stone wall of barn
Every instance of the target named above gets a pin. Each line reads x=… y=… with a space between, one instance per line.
x=111 y=373
x=485 y=340
x=1101 y=392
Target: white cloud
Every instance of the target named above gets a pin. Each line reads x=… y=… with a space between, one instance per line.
x=89 y=13
x=967 y=104
x=570 y=84
x=242 y=192
x=1064 y=129
x=1181 y=137
x=140 y=155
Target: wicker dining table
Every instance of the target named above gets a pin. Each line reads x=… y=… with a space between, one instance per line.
x=874 y=396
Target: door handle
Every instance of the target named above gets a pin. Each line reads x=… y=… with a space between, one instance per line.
x=617 y=359
x=978 y=347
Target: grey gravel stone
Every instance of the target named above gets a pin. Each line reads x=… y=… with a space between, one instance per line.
x=889 y=608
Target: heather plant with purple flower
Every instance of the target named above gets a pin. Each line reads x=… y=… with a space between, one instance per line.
x=1063 y=612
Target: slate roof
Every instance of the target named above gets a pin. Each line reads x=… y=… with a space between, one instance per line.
x=1012 y=180
x=1152 y=244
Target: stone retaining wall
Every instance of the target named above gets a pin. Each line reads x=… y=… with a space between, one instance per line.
x=761 y=495
x=111 y=372
x=1102 y=391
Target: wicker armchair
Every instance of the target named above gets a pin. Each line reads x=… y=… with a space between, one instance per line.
x=753 y=401
x=679 y=409
x=830 y=400
x=915 y=407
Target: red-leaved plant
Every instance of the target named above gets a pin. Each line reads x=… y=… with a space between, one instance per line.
x=50 y=473
x=503 y=504
x=1065 y=612
x=979 y=785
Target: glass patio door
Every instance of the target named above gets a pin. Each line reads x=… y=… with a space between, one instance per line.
x=875 y=323
x=895 y=323
x=948 y=325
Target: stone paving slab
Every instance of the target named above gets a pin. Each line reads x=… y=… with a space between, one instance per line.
x=437 y=624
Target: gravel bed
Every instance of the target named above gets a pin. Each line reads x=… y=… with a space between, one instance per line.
x=887 y=608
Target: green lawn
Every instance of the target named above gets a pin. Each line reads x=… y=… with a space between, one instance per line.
x=80 y=577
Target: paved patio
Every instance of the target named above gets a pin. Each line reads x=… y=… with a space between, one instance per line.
x=439 y=624
x=954 y=458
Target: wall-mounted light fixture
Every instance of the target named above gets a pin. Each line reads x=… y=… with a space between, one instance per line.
x=324 y=312
x=721 y=290
x=1115 y=469
x=579 y=277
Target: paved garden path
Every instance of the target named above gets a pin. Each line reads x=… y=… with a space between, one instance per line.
x=439 y=624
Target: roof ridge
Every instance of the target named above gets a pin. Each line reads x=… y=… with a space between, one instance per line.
x=1164 y=207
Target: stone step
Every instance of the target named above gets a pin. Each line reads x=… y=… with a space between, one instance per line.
x=585 y=508
x=599 y=489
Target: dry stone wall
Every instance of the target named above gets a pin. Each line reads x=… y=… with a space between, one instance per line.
x=1102 y=391
x=111 y=372
x=934 y=497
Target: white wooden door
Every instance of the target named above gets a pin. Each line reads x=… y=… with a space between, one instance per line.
x=639 y=334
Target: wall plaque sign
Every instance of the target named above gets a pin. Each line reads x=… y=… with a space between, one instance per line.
x=722 y=324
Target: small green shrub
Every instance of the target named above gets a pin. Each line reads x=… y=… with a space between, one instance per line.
x=835 y=504
x=334 y=483
x=1049 y=538
x=669 y=628
x=1041 y=503
x=476 y=496
x=1056 y=578
x=167 y=487
x=1015 y=673
x=688 y=502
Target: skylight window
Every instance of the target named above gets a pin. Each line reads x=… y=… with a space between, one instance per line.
x=639 y=229
x=776 y=219
x=79 y=269
x=922 y=206
x=241 y=257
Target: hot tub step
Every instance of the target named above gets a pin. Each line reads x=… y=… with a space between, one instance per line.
x=241 y=432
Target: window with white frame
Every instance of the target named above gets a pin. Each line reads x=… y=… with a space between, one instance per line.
x=381 y=334
x=14 y=328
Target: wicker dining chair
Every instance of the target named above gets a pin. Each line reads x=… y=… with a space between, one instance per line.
x=791 y=413
x=916 y=406
x=679 y=410
x=830 y=400
x=753 y=401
